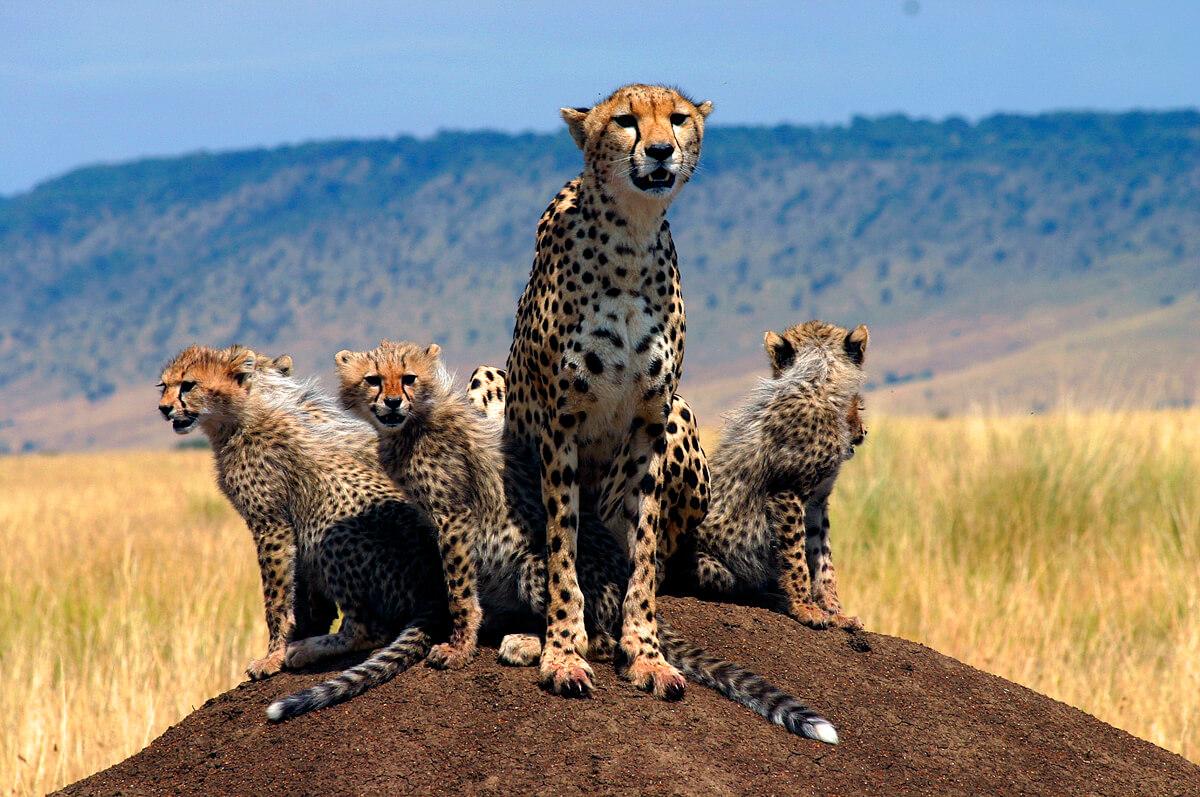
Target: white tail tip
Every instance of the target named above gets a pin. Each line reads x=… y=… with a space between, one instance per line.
x=822 y=731
x=275 y=712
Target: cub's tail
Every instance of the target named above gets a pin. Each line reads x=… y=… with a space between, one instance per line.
x=745 y=687
x=385 y=664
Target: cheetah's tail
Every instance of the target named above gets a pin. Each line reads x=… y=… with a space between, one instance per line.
x=745 y=687
x=384 y=664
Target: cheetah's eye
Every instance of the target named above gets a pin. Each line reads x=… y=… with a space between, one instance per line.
x=161 y=386
x=625 y=120
x=374 y=380
x=409 y=379
x=678 y=118
x=186 y=386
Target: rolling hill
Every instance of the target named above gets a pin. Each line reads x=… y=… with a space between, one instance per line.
x=1012 y=262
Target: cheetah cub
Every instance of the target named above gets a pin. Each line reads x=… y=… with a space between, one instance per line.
x=426 y=448
x=330 y=526
x=780 y=452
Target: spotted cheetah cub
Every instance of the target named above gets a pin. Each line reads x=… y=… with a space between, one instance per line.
x=329 y=525
x=502 y=494
x=426 y=448
x=781 y=451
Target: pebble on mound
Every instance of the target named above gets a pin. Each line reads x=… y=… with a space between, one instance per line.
x=911 y=721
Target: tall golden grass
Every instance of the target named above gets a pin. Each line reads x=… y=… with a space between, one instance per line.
x=1061 y=552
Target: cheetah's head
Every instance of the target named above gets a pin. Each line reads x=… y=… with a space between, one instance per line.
x=786 y=350
x=643 y=141
x=392 y=383
x=845 y=351
x=203 y=384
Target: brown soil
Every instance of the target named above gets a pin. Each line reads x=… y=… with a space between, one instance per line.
x=911 y=722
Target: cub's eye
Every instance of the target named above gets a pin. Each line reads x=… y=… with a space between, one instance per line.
x=374 y=380
x=409 y=379
x=161 y=386
x=186 y=386
x=625 y=120
x=678 y=118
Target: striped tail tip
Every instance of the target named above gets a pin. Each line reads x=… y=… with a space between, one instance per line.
x=275 y=711
x=812 y=727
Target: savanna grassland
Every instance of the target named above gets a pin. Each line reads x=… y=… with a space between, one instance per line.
x=1059 y=551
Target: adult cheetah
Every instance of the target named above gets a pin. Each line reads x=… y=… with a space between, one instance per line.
x=596 y=355
x=441 y=449
x=329 y=525
x=784 y=545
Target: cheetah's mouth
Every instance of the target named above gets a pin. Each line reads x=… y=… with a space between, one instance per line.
x=391 y=418
x=182 y=424
x=657 y=181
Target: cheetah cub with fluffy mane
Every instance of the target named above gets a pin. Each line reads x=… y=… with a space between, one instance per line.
x=330 y=526
x=424 y=446
x=781 y=451
x=456 y=446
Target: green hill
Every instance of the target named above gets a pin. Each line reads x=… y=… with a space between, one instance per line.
x=964 y=246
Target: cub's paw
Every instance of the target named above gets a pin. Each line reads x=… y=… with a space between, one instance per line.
x=810 y=614
x=520 y=650
x=602 y=647
x=446 y=656
x=565 y=674
x=300 y=654
x=846 y=622
x=654 y=675
x=266 y=666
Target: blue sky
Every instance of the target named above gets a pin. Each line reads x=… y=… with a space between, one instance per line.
x=87 y=82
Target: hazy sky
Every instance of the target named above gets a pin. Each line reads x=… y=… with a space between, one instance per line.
x=110 y=81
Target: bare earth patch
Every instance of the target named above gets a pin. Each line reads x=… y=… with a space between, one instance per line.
x=911 y=722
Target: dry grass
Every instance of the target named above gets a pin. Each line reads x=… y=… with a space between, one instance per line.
x=1061 y=552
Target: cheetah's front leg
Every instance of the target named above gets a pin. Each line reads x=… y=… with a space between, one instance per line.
x=563 y=669
x=276 y=563
x=456 y=532
x=820 y=566
x=786 y=517
x=647 y=668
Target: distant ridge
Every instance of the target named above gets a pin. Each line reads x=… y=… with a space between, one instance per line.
x=972 y=249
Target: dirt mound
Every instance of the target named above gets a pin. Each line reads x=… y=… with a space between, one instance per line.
x=911 y=722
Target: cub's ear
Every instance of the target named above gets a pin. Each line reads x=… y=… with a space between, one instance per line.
x=779 y=351
x=856 y=344
x=574 y=118
x=283 y=364
x=343 y=357
x=241 y=365
x=705 y=108
x=434 y=351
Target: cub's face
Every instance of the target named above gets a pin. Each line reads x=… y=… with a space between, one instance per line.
x=391 y=383
x=205 y=384
x=641 y=142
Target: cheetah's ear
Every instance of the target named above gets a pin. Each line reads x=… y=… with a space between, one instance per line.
x=434 y=351
x=779 y=352
x=343 y=357
x=283 y=364
x=856 y=344
x=241 y=365
x=705 y=108
x=574 y=118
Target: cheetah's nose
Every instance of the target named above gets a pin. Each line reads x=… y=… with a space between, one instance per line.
x=660 y=152
x=392 y=403
x=165 y=409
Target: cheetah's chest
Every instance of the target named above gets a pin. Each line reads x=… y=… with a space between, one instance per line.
x=623 y=364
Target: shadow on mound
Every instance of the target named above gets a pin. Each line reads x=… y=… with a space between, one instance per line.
x=911 y=722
